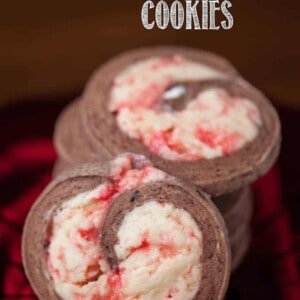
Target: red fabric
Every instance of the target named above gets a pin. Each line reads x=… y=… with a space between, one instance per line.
x=270 y=270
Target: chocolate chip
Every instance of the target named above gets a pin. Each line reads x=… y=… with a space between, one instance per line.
x=134 y=195
x=179 y=94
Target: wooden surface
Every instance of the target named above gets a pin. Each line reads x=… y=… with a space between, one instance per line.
x=51 y=48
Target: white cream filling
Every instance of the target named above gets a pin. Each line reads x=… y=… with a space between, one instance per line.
x=226 y=123
x=160 y=247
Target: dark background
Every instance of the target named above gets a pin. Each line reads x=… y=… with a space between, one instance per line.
x=49 y=49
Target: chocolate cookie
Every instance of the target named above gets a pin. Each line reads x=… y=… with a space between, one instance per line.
x=59 y=167
x=98 y=230
x=239 y=247
x=133 y=101
x=236 y=209
x=70 y=140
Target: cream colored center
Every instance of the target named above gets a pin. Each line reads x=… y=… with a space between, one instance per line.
x=160 y=247
x=213 y=124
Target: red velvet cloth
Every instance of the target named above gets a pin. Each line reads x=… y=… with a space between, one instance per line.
x=270 y=270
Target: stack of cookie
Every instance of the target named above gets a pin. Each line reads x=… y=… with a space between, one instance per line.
x=196 y=127
x=190 y=113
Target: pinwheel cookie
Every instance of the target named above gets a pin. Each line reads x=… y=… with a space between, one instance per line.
x=187 y=110
x=125 y=230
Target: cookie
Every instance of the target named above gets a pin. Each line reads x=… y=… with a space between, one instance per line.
x=99 y=230
x=188 y=111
